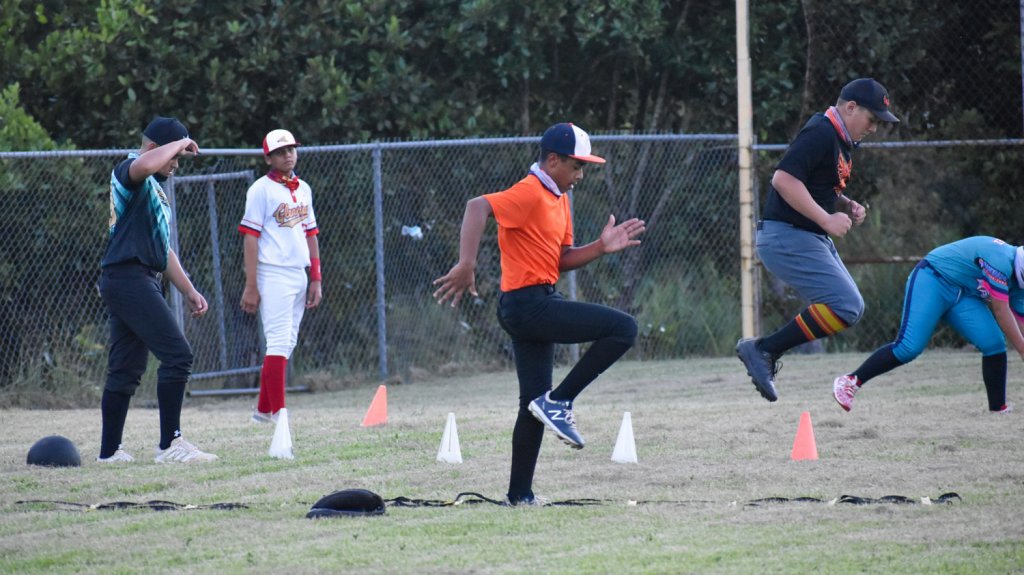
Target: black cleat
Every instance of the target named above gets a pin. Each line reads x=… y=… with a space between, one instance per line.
x=760 y=367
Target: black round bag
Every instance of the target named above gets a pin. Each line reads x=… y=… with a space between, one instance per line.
x=54 y=451
x=347 y=503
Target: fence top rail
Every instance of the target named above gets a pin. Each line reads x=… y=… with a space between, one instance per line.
x=382 y=146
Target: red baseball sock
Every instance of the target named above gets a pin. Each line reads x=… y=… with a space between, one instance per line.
x=272 y=384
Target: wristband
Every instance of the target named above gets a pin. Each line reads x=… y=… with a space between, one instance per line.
x=314 y=269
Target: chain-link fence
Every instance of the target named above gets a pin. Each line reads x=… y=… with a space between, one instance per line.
x=390 y=216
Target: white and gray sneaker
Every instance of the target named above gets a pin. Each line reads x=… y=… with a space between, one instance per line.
x=260 y=417
x=535 y=501
x=119 y=456
x=181 y=451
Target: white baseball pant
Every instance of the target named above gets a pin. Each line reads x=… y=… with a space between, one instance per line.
x=282 y=303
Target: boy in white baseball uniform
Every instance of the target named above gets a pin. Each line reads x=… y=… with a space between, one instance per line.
x=280 y=243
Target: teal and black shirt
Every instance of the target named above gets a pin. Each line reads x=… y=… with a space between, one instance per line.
x=981 y=265
x=139 y=221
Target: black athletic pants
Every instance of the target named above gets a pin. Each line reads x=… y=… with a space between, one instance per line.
x=141 y=322
x=538 y=317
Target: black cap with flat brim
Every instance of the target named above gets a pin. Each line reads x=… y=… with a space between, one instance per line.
x=868 y=93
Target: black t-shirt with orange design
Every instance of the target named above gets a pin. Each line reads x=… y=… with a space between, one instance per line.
x=820 y=158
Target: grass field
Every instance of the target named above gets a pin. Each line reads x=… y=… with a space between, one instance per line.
x=707 y=446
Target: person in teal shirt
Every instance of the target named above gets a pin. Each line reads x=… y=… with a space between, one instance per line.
x=976 y=285
x=138 y=253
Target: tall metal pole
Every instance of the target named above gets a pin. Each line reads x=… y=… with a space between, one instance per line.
x=177 y=305
x=378 y=224
x=574 y=349
x=745 y=122
x=218 y=282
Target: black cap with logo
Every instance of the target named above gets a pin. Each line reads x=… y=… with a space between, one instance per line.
x=871 y=95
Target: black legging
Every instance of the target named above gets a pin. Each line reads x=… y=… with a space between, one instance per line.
x=538 y=317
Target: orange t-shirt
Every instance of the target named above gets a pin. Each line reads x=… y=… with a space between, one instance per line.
x=533 y=226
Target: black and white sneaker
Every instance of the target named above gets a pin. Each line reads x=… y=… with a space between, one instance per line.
x=557 y=416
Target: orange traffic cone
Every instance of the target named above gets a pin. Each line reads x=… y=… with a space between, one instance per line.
x=378 y=412
x=804 y=446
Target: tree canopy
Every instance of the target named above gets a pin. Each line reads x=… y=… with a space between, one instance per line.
x=92 y=75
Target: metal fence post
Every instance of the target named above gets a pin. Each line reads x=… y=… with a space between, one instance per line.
x=756 y=208
x=218 y=284
x=378 y=226
x=574 y=349
x=176 y=303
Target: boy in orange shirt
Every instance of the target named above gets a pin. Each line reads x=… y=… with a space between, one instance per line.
x=536 y=242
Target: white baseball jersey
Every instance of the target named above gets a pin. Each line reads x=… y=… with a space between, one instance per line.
x=282 y=220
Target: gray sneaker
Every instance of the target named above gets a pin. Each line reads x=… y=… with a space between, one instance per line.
x=760 y=367
x=535 y=501
x=260 y=417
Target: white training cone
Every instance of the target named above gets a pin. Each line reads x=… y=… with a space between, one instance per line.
x=281 y=445
x=449 y=451
x=625 y=446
